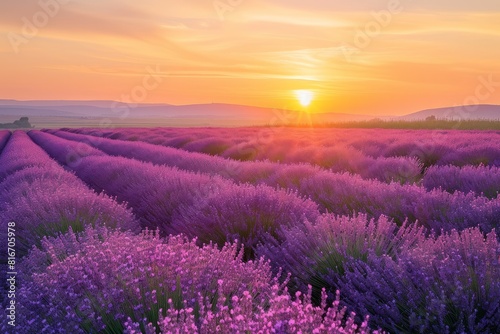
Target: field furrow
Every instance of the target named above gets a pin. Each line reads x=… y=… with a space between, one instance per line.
x=4 y=137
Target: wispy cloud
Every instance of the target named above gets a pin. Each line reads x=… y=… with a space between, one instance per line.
x=260 y=51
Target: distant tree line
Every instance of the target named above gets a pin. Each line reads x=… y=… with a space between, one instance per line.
x=21 y=123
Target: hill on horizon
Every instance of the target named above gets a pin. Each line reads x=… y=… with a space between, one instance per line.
x=91 y=113
x=213 y=114
x=480 y=111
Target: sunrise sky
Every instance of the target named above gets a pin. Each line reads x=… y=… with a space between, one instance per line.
x=409 y=55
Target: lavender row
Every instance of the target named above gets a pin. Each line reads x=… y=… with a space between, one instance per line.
x=335 y=158
x=342 y=194
x=191 y=161
x=116 y=282
x=481 y=180
x=20 y=153
x=399 y=169
x=197 y=205
x=405 y=281
x=350 y=160
x=44 y=200
x=4 y=137
x=430 y=147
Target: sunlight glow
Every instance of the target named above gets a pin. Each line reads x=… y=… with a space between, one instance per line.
x=305 y=97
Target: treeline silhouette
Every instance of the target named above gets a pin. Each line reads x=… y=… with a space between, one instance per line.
x=21 y=123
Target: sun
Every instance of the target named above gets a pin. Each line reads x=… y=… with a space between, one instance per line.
x=305 y=97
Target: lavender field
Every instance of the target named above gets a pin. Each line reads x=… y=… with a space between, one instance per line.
x=252 y=230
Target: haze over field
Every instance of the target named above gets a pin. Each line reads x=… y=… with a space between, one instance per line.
x=102 y=113
x=375 y=57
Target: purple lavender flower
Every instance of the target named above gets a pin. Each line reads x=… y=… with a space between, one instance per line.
x=482 y=180
x=44 y=200
x=19 y=153
x=4 y=137
x=313 y=251
x=445 y=285
x=109 y=282
x=244 y=213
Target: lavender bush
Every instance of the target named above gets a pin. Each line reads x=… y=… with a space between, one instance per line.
x=179 y=141
x=117 y=282
x=478 y=179
x=445 y=285
x=402 y=279
x=45 y=207
x=281 y=315
x=428 y=154
x=313 y=251
x=4 y=138
x=212 y=146
x=243 y=213
x=483 y=154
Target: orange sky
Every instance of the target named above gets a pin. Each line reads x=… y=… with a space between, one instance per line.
x=416 y=54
